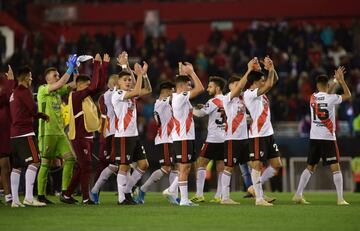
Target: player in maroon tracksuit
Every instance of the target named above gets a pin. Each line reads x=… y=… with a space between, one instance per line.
x=24 y=153
x=83 y=142
x=7 y=85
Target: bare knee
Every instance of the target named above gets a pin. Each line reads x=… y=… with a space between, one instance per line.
x=143 y=164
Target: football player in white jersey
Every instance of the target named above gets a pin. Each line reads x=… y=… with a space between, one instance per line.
x=322 y=134
x=236 y=136
x=213 y=148
x=106 y=162
x=262 y=146
x=127 y=145
x=184 y=130
x=163 y=116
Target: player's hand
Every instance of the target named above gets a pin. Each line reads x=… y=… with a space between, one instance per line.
x=10 y=73
x=339 y=74
x=43 y=116
x=187 y=68
x=122 y=59
x=138 y=69
x=97 y=57
x=106 y=58
x=71 y=63
x=252 y=64
x=268 y=64
x=145 y=68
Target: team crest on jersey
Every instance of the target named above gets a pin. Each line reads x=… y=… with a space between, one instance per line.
x=86 y=151
x=234 y=160
x=189 y=156
x=120 y=92
x=261 y=153
x=11 y=97
x=184 y=93
x=128 y=157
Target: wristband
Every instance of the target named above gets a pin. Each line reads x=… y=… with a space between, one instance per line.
x=123 y=66
x=70 y=70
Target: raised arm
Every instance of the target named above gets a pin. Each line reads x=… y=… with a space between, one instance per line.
x=95 y=81
x=241 y=84
x=339 y=75
x=272 y=77
x=136 y=91
x=71 y=64
x=103 y=75
x=147 y=85
x=188 y=69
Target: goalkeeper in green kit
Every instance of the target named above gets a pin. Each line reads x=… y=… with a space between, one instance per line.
x=53 y=143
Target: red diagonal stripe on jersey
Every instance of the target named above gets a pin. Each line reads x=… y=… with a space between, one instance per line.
x=170 y=126
x=264 y=114
x=218 y=102
x=189 y=121
x=236 y=121
x=328 y=123
x=177 y=126
x=116 y=123
x=160 y=132
x=127 y=118
x=108 y=123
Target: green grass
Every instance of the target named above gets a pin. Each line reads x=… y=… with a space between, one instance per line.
x=157 y=214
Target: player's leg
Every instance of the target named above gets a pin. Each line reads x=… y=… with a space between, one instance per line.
x=201 y=164
x=67 y=153
x=219 y=171
x=165 y=152
x=31 y=159
x=85 y=162
x=332 y=158
x=312 y=161
x=273 y=156
x=47 y=149
x=5 y=176
x=231 y=147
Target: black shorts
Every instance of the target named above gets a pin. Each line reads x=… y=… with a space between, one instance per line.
x=236 y=151
x=326 y=149
x=24 y=151
x=127 y=150
x=109 y=146
x=212 y=151
x=167 y=154
x=184 y=151
x=263 y=148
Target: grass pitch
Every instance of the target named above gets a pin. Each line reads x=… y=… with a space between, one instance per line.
x=157 y=214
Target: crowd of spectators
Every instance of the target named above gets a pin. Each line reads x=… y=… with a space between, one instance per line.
x=300 y=53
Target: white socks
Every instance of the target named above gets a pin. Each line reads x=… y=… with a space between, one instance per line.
x=200 y=181
x=304 y=179
x=30 y=176
x=219 y=186
x=225 y=180
x=104 y=176
x=267 y=174
x=183 y=185
x=133 y=179
x=255 y=177
x=155 y=177
x=121 y=183
x=15 y=181
x=338 y=181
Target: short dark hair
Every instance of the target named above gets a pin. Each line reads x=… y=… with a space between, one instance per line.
x=166 y=85
x=182 y=79
x=254 y=76
x=83 y=78
x=220 y=82
x=124 y=73
x=322 y=80
x=23 y=72
x=233 y=78
x=48 y=70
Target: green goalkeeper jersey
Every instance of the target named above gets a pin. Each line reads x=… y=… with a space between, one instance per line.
x=50 y=104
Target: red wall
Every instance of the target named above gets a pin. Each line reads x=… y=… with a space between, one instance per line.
x=193 y=19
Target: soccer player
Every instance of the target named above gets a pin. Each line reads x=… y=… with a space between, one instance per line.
x=23 y=140
x=262 y=146
x=80 y=129
x=322 y=134
x=236 y=136
x=53 y=142
x=184 y=131
x=127 y=144
x=163 y=142
x=105 y=166
x=7 y=85
x=213 y=148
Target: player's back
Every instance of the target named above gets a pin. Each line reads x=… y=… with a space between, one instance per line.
x=163 y=116
x=183 y=117
x=217 y=119
x=322 y=109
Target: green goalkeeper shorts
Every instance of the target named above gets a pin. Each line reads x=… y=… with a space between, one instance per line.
x=54 y=146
